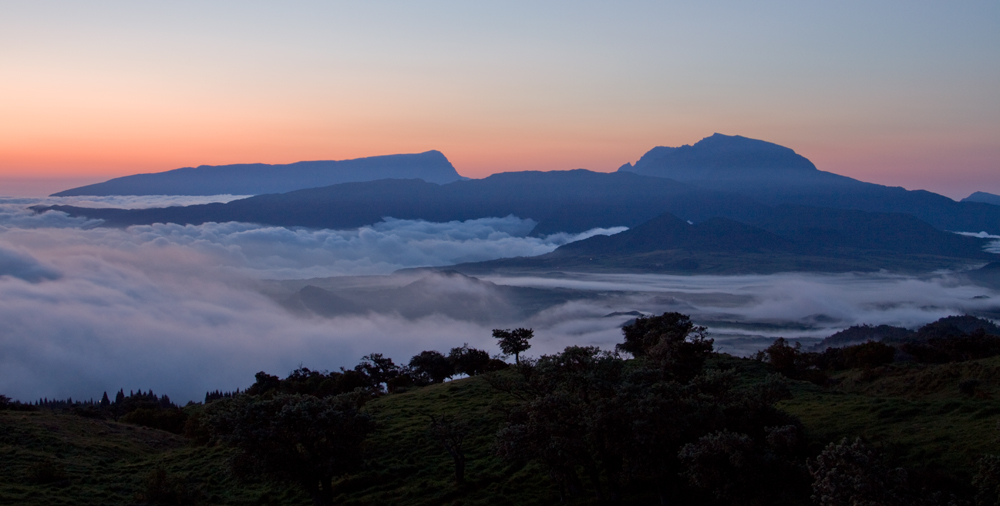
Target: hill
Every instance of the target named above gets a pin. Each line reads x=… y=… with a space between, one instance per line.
x=260 y=178
x=986 y=198
x=935 y=431
x=560 y=201
x=773 y=174
x=785 y=238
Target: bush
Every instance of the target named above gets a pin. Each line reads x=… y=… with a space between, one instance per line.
x=170 y=420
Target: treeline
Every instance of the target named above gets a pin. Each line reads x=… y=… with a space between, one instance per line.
x=948 y=340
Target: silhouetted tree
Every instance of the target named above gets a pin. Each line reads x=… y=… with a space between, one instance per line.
x=431 y=367
x=378 y=369
x=671 y=340
x=513 y=342
x=469 y=361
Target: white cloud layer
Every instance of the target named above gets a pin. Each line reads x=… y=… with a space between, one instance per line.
x=176 y=308
x=173 y=308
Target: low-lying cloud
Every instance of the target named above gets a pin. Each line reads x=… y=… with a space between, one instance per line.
x=183 y=310
x=85 y=309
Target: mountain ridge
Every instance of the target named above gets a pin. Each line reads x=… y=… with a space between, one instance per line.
x=259 y=178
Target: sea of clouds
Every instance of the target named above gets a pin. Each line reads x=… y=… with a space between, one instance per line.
x=84 y=309
x=178 y=309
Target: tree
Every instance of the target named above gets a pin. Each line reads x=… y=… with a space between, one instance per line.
x=670 y=340
x=378 y=369
x=513 y=342
x=431 y=366
x=293 y=438
x=469 y=361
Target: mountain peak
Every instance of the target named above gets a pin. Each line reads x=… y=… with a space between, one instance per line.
x=721 y=156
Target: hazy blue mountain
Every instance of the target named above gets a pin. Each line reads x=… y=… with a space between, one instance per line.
x=786 y=238
x=260 y=178
x=730 y=161
x=560 y=201
x=773 y=174
x=985 y=198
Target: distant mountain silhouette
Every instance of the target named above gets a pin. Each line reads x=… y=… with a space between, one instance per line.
x=985 y=198
x=787 y=238
x=560 y=201
x=773 y=174
x=259 y=178
x=723 y=160
x=721 y=176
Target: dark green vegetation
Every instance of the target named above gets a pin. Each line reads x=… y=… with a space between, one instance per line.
x=257 y=178
x=674 y=424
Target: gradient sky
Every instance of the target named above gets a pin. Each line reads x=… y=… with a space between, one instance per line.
x=898 y=93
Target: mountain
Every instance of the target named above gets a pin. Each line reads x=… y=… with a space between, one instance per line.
x=560 y=201
x=773 y=174
x=260 y=178
x=985 y=198
x=786 y=238
x=732 y=162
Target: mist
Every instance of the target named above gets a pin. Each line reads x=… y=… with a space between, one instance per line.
x=187 y=309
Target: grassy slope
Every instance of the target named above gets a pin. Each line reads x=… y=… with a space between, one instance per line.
x=915 y=412
x=106 y=462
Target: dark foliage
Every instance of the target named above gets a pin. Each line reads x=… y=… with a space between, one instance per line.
x=850 y=474
x=377 y=369
x=168 y=419
x=431 y=367
x=670 y=340
x=602 y=425
x=470 y=361
x=987 y=481
x=300 y=439
x=950 y=345
x=305 y=381
x=47 y=472
x=160 y=488
x=450 y=432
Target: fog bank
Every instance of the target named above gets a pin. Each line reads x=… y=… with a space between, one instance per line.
x=186 y=309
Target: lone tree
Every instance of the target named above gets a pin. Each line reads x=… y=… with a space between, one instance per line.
x=513 y=342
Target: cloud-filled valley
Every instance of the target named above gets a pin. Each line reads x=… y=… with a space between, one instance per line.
x=185 y=309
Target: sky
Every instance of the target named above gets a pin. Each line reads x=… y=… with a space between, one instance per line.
x=897 y=93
